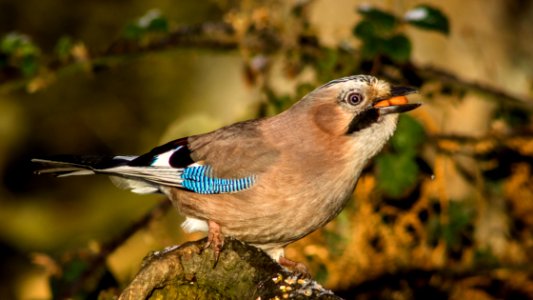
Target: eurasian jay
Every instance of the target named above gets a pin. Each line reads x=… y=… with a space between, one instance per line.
x=270 y=181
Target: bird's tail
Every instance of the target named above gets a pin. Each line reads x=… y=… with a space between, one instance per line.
x=71 y=165
x=138 y=179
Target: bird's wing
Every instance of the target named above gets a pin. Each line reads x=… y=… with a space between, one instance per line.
x=236 y=151
x=226 y=160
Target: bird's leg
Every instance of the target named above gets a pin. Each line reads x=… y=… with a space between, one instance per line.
x=215 y=239
x=294 y=266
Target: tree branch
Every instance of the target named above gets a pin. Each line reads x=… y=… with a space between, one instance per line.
x=221 y=36
x=242 y=272
x=447 y=77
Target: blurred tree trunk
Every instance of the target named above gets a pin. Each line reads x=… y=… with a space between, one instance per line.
x=242 y=272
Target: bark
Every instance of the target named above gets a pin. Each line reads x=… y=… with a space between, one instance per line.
x=242 y=272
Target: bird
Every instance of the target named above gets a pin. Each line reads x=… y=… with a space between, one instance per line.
x=269 y=181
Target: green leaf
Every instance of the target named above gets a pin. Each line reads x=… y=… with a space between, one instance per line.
x=27 y=49
x=11 y=42
x=64 y=47
x=158 y=24
x=322 y=273
x=459 y=225
x=29 y=65
x=460 y=215
x=18 y=44
x=20 y=53
x=409 y=135
x=396 y=173
x=383 y=22
x=133 y=32
x=153 y=21
x=377 y=31
x=364 y=30
x=398 y=48
x=73 y=270
x=428 y=17
x=370 y=48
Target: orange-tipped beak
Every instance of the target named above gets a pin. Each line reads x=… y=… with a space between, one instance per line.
x=398 y=100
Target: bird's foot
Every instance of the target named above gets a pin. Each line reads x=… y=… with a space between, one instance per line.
x=215 y=239
x=295 y=266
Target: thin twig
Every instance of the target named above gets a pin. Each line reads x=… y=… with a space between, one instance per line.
x=450 y=78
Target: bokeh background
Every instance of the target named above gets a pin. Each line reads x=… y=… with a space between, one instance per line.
x=445 y=211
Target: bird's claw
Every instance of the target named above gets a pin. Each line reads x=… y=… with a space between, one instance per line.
x=215 y=240
x=294 y=266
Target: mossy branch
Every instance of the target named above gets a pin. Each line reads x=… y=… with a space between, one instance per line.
x=242 y=272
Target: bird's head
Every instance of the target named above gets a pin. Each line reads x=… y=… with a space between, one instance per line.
x=359 y=103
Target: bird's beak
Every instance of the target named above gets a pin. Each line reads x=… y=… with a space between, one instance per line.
x=397 y=102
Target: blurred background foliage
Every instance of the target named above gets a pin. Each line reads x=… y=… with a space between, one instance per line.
x=444 y=211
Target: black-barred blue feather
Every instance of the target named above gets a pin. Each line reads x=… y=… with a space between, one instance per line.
x=195 y=177
x=199 y=179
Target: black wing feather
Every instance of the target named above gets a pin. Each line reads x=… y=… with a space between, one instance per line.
x=181 y=158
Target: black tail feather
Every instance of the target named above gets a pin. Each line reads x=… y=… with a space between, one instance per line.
x=64 y=165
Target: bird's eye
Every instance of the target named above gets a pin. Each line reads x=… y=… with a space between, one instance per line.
x=354 y=98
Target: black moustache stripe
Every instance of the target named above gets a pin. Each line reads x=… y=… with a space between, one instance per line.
x=363 y=120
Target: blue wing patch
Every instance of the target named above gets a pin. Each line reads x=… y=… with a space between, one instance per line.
x=157 y=166
x=199 y=179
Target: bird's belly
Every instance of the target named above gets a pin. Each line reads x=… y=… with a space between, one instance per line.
x=273 y=212
x=284 y=217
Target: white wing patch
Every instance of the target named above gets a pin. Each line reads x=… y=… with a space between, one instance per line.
x=194 y=225
x=135 y=186
x=126 y=157
x=163 y=159
x=145 y=190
